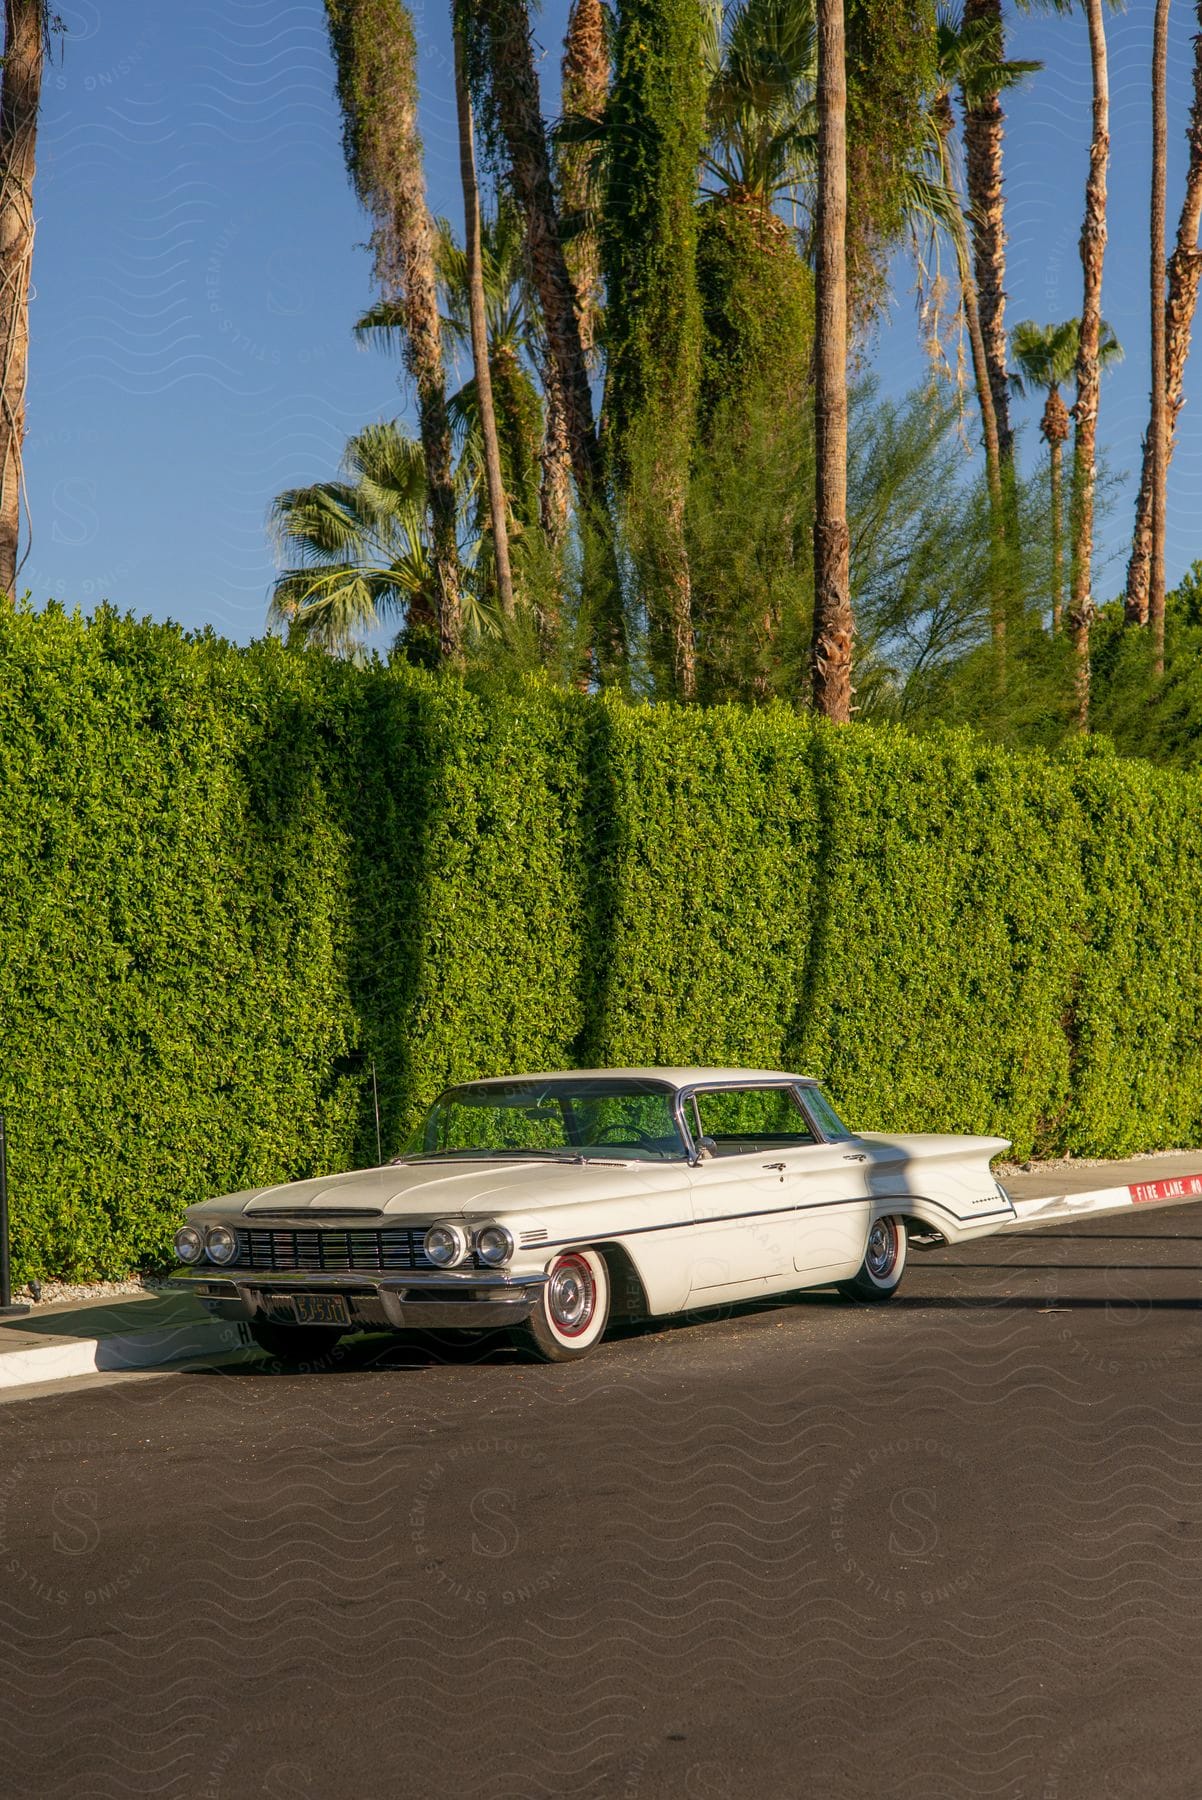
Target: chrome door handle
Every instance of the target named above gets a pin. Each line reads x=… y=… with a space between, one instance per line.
x=854 y=1156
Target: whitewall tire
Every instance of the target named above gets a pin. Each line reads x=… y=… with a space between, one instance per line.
x=880 y=1273
x=570 y=1317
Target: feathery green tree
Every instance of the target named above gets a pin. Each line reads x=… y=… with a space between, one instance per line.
x=757 y=294
x=656 y=132
x=892 y=72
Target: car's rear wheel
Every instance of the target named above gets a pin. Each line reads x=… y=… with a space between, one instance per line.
x=570 y=1316
x=880 y=1273
x=294 y=1344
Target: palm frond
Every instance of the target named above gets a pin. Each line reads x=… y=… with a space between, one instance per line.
x=382 y=327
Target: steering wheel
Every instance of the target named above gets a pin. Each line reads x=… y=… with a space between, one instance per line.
x=630 y=1143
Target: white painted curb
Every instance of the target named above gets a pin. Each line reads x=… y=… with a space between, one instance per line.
x=136 y=1350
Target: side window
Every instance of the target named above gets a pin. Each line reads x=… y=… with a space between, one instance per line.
x=741 y=1120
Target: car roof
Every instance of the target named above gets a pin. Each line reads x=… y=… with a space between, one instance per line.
x=676 y=1077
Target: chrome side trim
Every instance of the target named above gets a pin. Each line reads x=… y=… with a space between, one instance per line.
x=797 y=1084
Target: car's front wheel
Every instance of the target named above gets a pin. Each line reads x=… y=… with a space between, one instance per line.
x=880 y=1273
x=294 y=1344
x=572 y=1310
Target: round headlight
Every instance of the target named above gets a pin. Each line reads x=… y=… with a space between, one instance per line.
x=494 y=1244
x=221 y=1246
x=446 y=1245
x=189 y=1245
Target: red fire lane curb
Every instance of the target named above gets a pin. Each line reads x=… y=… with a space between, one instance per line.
x=1175 y=1187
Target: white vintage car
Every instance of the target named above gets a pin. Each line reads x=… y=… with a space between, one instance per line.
x=546 y=1203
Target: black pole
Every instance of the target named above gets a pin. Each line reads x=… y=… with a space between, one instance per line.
x=6 y=1291
x=375 y=1092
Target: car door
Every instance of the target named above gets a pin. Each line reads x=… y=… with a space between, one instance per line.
x=830 y=1190
x=743 y=1223
x=755 y=1140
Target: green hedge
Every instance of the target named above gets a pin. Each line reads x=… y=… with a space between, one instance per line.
x=232 y=879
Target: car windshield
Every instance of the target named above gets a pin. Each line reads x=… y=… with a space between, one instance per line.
x=563 y=1118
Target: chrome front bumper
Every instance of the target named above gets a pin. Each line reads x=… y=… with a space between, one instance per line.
x=469 y=1299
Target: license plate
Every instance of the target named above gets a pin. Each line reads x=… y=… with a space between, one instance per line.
x=320 y=1309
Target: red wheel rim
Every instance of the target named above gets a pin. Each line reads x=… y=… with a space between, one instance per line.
x=571 y=1295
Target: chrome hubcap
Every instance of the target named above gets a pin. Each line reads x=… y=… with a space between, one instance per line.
x=882 y=1249
x=570 y=1296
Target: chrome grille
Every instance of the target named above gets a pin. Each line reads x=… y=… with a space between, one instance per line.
x=311 y=1248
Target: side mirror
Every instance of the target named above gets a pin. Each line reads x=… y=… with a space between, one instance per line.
x=706 y=1148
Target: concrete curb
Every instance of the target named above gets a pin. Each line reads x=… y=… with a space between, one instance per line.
x=66 y=1358
x=1173 y=1190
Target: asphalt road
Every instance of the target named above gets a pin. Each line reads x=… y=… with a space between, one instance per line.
x=950 y=1547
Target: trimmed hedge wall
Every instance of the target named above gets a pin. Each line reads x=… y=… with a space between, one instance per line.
x=230 y=879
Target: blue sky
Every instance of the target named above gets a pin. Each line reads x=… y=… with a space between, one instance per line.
x=200 y=261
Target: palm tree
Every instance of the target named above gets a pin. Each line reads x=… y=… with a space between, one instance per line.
x=834 y=625
x=986 y=206
x=1184 y=271
x=375 y=55
x=970 y=60
x=504 y=42
x=513 y=347
x=966 y=58
x=942 y=208
x=362 y=550
x=1088 y=374
x=497 y=506
x=1045 y=357
x=762 y=59
x=585 y=71
x=27 y=27
x=1158 y=422
x=361 y=547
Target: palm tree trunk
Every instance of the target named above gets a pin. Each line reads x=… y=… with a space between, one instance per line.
x=1085 y=411
x=20 y=98
x=983 y=122
x=497 y=508
x=970 y=299
x=555 y=489
x=982 y=377
x=1184 y=276
x=1158 y=423
x=1055 y=429
x=423 y=331
x=834 y=625
x=376 y=58
x=585 y=86
x=993 y=457
x=678 y=582
x=1056 y=460
x=515 y=92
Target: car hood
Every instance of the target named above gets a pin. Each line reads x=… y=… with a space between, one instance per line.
x=438 y=1189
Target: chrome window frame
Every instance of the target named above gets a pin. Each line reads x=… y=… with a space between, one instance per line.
x=655 y=1083
x=796 y=1085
